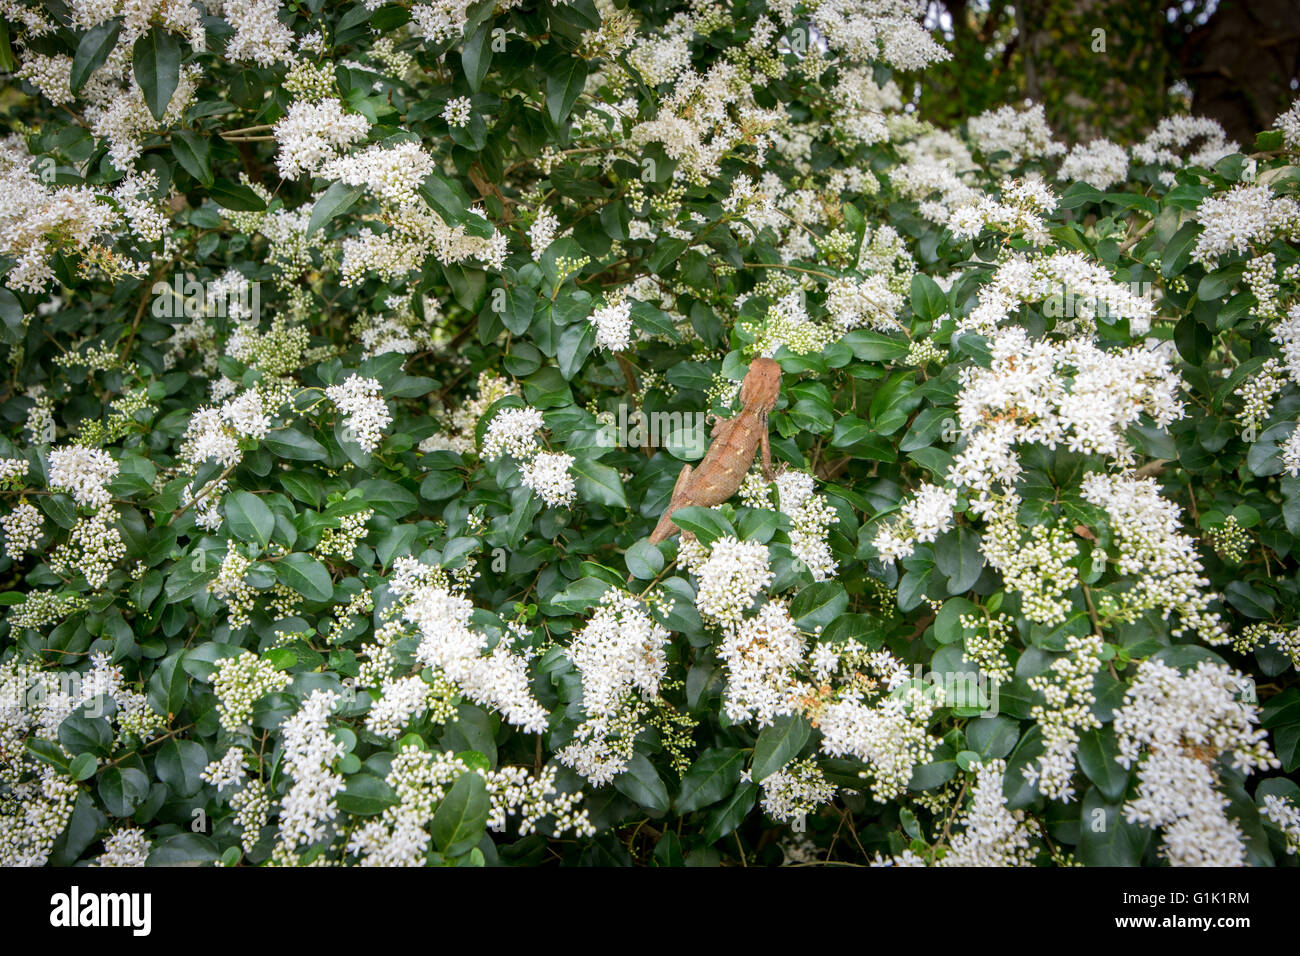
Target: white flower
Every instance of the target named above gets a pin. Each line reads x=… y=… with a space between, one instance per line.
x=84 y=473
x=729 y=580
x=1175 y=727
x=548 y=475
x=613 y=324
x=513 y=432
x=542 y=232
x=1100 y=163
x=360 y=399
x=310 y=134
x=458 y=111
x=259 y=34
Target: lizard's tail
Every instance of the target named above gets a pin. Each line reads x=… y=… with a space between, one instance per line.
x=664 y=530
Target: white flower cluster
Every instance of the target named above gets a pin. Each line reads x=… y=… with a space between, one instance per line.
x=239 y=682
x=1020 y=134
x=857 y=303
x=1072 y=394
x=1285 y=814
x=361 y=401
x=886 y=30
x=879 y=715
x=309 y=751
x=734 y=573
x=498 y=679
x=401 y=699
x=126 y=846
x=1069 y=286
x=1065 y=713
x=931 y=173
x=542 y=232
x=810 y=520
x=513 y=433
x=992 y=835
x=1152 y=549
x=619 y=650
x=230 y=586
x=1246 y=215
x=421 y=780
x=926 y=516
x=795 y=790
x=311 y=134
x=22 y=529
x=259 y=37
x=1176 y=727
x=762 y=657
x=1039 y=568
x=613 y=325
x=84 y=473
x=393 y=174
x=1170 y=144
x=227 y=771
x=1100 y=163
x=1019 y=211
x=1289 y=123
x=37 y=220
x=94 y=546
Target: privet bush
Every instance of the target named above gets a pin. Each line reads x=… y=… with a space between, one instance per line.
x=353 y=351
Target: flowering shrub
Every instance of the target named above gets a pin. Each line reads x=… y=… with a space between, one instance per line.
x=320 y=545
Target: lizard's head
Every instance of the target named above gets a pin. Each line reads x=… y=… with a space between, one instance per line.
x=762 y=385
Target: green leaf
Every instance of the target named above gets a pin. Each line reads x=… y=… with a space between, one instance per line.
x=778 y=744
x=948 y=628
x=710 y=779
x=641 y=784
x=156 y=59
x=565 y=77
x=1105 y=838
x=193 y=152
x=928 y=300
x=168 y=686
x=367 y=795
x=80 y=733
x=179 y=763
x=476 y=55
x=705 y=523
x=599 y=483
x=731 y=813
x=819 y=604
x=249 y=518
x=580 y=595
x=122 y=789
x=1097 y=752
x=183 y=849
x=306 y=575
x=644 y=560
x=236 y=196
x=461 y=817
x=335 y=201
x=92 y=52
x=957 y=556
x=83 y=767
x=292 y=444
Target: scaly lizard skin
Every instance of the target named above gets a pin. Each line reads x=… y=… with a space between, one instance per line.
x=731 y=452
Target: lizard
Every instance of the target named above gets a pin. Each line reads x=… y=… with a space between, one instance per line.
x=731 y=450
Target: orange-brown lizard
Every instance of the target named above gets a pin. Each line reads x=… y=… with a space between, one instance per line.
x=731 y=452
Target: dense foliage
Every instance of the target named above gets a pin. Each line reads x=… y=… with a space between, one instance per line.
x=354 y=350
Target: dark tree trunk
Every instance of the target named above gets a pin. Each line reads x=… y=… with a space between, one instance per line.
x=1241 y=64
